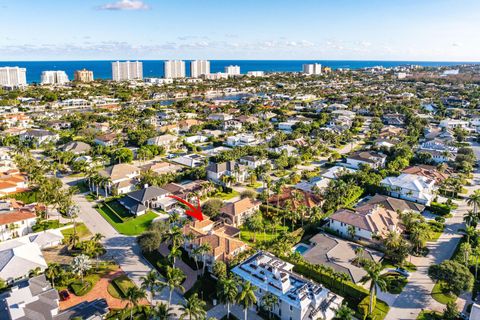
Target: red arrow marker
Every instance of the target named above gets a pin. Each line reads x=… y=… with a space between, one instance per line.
x=195 y=211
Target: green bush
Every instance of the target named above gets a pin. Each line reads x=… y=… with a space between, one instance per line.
x=441 y=209
x=80 y=289
x=122 y=284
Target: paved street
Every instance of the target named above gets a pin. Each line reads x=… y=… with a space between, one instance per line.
x=416 y=294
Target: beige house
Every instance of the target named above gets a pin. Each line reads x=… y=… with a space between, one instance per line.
x=236 y=213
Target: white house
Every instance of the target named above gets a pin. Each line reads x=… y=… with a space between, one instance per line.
x=252 y=162
x=372 y=159
x=215 y=171
x=16 y=220
x=410 y=187
x=39 y=136
x=298 y=297
x=122 y=177
x=241 y=140
x=167 y=141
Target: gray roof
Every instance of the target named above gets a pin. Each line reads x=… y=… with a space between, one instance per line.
x=77 y=147
x=147 y=194
x=221 y=167
x=94 y=309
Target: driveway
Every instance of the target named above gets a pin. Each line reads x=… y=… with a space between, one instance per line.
x=416 y=294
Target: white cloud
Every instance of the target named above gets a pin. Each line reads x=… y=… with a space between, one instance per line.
x=126 y=5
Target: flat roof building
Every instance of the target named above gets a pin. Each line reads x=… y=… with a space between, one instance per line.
x=13 y=77
x=127 y=70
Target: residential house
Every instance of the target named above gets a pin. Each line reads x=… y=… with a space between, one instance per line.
x=189 y=190
x=393 y=204
x=107 y=139
x=340 y=255
x=372 y=159
x=161 y=167
x=12 y=181
x=220 y=117
x=394 y=119
x=298 y=298
x=16 y=219
x=368 y=222
x=454 y=124
x=215 y=172
x=222 y=239
x=77 y=147
x=34 y=299
x=430 y=172
x=410 y=187
x=39 y=136
x=237 y=212
x=241 y=140
x=121 y=177
x=232 y=125
x=18 y=257
x=190 y=160
x=140 y=201
x=287 y=198
x=252 y=162
x=167 y=141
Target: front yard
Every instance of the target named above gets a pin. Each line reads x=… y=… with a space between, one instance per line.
x=123 y=223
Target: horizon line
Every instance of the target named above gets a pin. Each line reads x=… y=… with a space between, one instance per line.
x=332 y=60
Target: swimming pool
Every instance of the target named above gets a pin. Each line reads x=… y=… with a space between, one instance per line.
x=301 y=248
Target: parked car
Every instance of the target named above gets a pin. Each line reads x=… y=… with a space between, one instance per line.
x=64 y=295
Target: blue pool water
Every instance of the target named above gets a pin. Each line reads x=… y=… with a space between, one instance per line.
x=301 y=249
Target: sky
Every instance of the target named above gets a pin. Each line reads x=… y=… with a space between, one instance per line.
x=407 y=30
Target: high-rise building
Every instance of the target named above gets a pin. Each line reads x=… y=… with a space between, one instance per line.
x=174 y=69
x=83 y=75
x=54 y=77
x=232 y=70
x=312 y=68
x=199 y=68
x=127 y=70
x=13 y=77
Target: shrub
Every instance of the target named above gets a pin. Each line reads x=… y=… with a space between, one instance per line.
x=122 y=284
x=80 y=289
x=441 y=209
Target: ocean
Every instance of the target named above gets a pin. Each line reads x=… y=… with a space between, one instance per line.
x=154 y=68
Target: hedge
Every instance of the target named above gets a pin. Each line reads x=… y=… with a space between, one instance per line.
x=439 y=208
x=122 y=283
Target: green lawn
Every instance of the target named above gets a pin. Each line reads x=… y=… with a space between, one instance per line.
x=441 y=296
x=226 y=196
x=247 y=235
x=82 y=231
x=131 y=227
x=429 y=315
x=119 y=286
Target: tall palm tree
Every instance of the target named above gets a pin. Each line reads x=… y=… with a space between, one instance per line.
x=174 y=253
x=246 y=297
x=474 y=200
x=151 y=282
x=227 y=291
x=373 y=275
x=173 y=280
x=133 y=295
x=204 y=249
x=53 y=272
x=269 y=302
x=193 y=308
x=470 y=218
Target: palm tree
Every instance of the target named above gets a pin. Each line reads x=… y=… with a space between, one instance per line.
x=174 y=253
x=193 y=308
x=246 y=297
x=81 y=264
x=133 y=295
x=269 y=302
x=227 y=292
x=204 y=249
x=474 y=200
x=161 y=312
x=373 y=275
x=151 y=282
x=197 y=251
x=173 y=280
x=344 y=312
x=476 y=254
x=470 y=218
x=53 y=272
